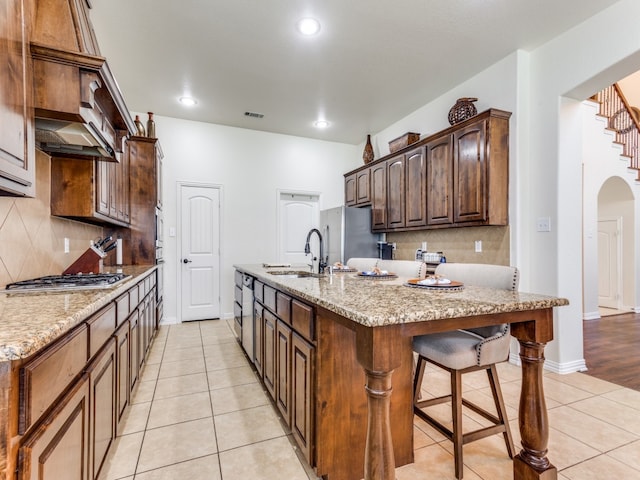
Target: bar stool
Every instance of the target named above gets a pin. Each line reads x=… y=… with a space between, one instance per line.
x=464 y=351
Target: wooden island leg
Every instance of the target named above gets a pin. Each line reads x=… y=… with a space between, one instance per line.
x=379 y=462
x=532 y=463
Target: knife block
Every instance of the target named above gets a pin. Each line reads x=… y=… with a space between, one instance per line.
x=89 y=262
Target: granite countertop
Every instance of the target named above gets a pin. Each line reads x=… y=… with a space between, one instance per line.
x=31 y=320
x=378 y=302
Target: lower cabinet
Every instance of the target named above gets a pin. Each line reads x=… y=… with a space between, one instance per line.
x=285 y=357
x=123 y=370
x=134 y=333
x=302 y=365
x=58 y=448
x=102 y=425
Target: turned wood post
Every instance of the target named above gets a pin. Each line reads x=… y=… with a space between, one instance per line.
x=532 y=462
x=379 y=460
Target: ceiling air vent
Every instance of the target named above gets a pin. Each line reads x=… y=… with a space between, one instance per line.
x=253 y=114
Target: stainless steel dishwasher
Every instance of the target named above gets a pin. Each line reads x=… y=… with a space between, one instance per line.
x=247 y=315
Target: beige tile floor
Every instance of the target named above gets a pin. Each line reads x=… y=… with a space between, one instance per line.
x=199 y=412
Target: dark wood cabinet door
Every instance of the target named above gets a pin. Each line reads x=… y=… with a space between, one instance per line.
x=103 y=190
x=415 y=192
x=134 y=369
x=395 y=192
x=258 y=337
x=302 y=365
x=439 y=155
x=59 y=447
x=102 y=427
x=269 y=365
x=350 y=190
x=283 y=370
x=379 y=197
x=469 y=174
x=363 y=187
x=17 y=151
x=123 y=365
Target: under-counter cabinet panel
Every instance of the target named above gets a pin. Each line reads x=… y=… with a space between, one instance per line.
x=102 y=428
x=269 y=365
x=59 y=447
x=283 y=371
x=302 y=394
x=17 y=152
x=123 y=365
x=258 y=339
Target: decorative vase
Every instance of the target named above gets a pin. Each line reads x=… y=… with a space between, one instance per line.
x=367 y=155
x=139 y=127
x=463 y=109
x=151 y=126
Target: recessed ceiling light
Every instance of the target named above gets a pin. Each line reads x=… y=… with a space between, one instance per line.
x=308 y=26
x=188 y=101
x=321 y=124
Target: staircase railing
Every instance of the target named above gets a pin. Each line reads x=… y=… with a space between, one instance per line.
x=622 y=120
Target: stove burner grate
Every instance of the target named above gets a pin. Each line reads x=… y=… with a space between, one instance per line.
x=75 y=281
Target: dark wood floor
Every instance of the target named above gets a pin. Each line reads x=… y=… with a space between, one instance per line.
x=612 y=349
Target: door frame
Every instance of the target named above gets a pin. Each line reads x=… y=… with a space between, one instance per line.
x=287 y=191
x=220 y=188
x=619 y=252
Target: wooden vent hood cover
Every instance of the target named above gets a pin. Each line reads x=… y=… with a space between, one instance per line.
x=79 y=109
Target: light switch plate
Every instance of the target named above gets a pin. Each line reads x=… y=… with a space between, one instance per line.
x=66 y=245
x=478 y=246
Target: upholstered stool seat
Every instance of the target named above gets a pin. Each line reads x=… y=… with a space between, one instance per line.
x=464 y=351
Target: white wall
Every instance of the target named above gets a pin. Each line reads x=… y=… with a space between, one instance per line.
x=250 y=166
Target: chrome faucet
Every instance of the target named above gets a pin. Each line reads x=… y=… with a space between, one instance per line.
x=322 y=261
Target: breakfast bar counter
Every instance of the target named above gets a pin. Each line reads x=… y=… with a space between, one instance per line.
x=370 y=323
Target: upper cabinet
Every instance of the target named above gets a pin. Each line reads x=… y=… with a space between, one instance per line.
x=357 y=188
x=457 y=177
x=17 y=154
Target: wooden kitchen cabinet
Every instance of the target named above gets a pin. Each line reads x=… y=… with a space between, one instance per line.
x=379 y=197
x=396 y=192
x=123 y=370
x=102 y=428
x=283 y=370
x=17 y=144
x=269 y=321
x=302 y=398
x=439 y=154
x=258 y=340
x=59 y=447
x=415 y=188
x=454 y=178
x=89 y=191
x=357 y=188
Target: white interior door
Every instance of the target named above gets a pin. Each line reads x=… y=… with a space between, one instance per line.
x=609 y=263
x=298 y=213
x=199 y=252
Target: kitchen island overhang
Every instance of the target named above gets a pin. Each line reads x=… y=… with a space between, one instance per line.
x=368 y=325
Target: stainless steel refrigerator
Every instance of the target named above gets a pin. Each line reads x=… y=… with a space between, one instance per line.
x=346 y=232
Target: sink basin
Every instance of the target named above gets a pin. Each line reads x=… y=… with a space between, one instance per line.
x=295 y=274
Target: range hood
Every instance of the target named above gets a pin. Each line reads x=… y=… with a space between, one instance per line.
x=79 y=110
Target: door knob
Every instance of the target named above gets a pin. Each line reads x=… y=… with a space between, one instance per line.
x=186 y=260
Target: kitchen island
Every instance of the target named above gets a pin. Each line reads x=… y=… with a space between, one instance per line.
x=69 y=360
x=363 y=330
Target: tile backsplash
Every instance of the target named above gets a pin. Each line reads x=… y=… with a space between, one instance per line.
x=457 y=244
x=31 y=240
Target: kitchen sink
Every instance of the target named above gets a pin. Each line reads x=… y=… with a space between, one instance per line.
x=295 y=274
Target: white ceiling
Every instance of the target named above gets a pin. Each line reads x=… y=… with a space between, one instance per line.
x=372 y=63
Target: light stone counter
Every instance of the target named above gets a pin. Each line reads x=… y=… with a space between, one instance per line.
x=30 y=321
x=376 y=302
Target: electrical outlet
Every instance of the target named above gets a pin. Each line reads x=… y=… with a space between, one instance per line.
x=393 y=245
x=543 y=224
x=424 y=246
x=66 y=245
x=478 y=246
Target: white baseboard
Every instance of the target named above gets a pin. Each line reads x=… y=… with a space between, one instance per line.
x=591 y=315
x=555 y=367
x=169 y=320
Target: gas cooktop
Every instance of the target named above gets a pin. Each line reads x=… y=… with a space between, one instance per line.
x=80 y=281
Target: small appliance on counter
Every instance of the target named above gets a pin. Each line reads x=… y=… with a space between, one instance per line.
x=385 y=251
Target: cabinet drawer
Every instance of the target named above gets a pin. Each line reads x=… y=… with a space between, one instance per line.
x=237 y=294
x=122 y=308
x=134 y=298
x=302 y=319
x=237 y=278
x=270 y=298
x=283 y=307
x=258 y=291
x=44 y=377
x=101 y=327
